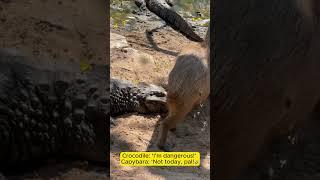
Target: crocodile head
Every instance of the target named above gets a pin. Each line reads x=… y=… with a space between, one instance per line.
x=152 y=98
x=142 y=98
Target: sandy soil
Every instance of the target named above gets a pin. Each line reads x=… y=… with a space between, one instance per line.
x=151 y=60
x=59 y=30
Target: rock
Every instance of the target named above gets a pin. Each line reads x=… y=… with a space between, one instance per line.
x=130 y=50
x=202 y=23
x=144 y=59
x=117 y=41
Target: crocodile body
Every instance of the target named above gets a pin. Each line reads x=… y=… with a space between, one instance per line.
x=143 y=98
x=51 y=109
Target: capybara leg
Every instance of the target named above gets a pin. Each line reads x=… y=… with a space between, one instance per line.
x=168 y=123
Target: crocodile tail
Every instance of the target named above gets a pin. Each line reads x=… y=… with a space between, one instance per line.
x=173 y=19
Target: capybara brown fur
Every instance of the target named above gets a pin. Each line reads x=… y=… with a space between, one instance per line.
x=188 y=85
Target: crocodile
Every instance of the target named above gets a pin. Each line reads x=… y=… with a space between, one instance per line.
x=143 y=98
x=51 y=108
x=163 y=10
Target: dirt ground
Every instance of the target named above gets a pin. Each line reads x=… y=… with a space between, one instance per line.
x=58 y=30
x=150 y=58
